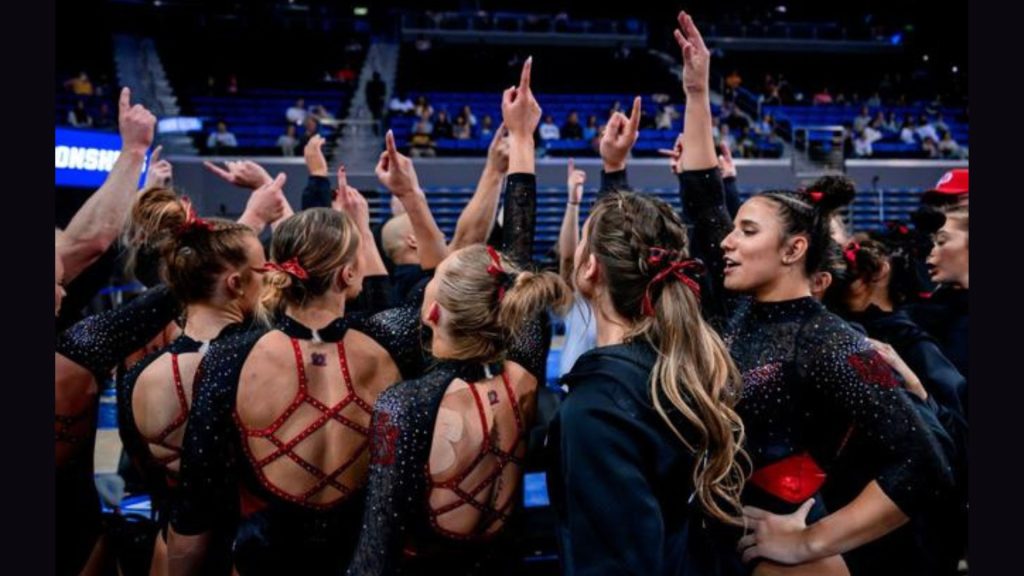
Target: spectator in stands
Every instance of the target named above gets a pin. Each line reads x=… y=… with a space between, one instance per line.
x=948 y=147
x=666 y=116
x=401 y=105
x=773 y=98
x=907 y=134
x=486 y=127
x=423 y=107
x=422 y=143
x=80 y=85
x=310 y=128
x=467 y=113
x=875 y=101
x=287 y=142
x=925 y=130
x=297 y=113
x=320 y=113
x=104 y=119
x=732 y=116
x=572 y=130
x=220 y=141
x=732 y=84
x=716 y=129
x=930 y=147
x=549 y=130
x=79 y=117
x=940 y=124
x=861 y=122
x=862 y=144
x=616 y=107
x=375 y=90
x=822 y=98
x=591 y=129
x=461 y=130
x=442 y=126
x=725 y=138
x=766 y=127
x=892 y=124
x=746 y=145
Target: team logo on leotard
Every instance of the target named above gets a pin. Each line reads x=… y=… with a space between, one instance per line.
x=319 y=359
x=385 y=434
x=873 y=368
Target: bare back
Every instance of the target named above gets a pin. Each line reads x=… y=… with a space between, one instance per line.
x=304 y=410
x=161 y=401
x=476 y=456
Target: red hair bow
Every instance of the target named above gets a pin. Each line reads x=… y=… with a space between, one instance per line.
x=192 y=220
x=816 y=196
x=290 y=267
x=850 y=255
x=675 y=268
x=494 y=269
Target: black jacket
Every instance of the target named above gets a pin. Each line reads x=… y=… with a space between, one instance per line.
x=622 y=482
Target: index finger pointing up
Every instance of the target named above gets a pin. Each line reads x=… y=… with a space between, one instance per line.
x=524 y=78
x=634 y=116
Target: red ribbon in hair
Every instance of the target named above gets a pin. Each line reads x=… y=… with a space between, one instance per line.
x=675 y=268
x=850 y=255
x=192 y=220
x=816 y=196
x=290 y=267
x=494 y=269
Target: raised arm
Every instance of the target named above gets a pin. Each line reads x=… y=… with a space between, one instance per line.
x=99 y=221
x=569 y=235
x=616 y=142
x=521 y=114
x=317 y=193
x=477 y=219
x=396 y=172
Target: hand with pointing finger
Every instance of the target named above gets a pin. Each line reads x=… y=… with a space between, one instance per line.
x=160 y=172
x=395 y=170
x=619 y=137
x=576 y=179
x=497 y=152
x=675 y=155
x=725 y=162
x=519 y=109
x=136 y=124
x=242 y=173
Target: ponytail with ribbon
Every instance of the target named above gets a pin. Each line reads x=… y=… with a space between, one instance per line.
x=681 y=270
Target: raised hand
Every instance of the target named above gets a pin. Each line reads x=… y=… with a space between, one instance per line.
x=675 y=155
x=313 y=152
x=725 y=162
x=497 y=152
x=160 y=172
x=135 y=123
x=395 y=170
x=267 y=202
x=519 y=109
x=619 y=137
x=242 y=173
x=696 y=57
x=576 y=179
x=351 y=202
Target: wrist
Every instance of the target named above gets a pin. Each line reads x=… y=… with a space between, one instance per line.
x=812 y=545
x=134 y=152
x=610 y=166
x=318 y=172
x=696 y=94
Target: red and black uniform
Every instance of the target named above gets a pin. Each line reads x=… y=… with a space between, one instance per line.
x=96 y=343
x=811 y=383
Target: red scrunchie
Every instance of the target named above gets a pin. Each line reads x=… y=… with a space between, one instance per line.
x=675 y=268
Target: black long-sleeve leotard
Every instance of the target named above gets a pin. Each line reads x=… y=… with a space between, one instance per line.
x=811 y=381
x=397 y=534
x=97 y=344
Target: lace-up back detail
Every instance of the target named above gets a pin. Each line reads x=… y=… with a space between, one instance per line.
x=315 y=451
x=476 y=460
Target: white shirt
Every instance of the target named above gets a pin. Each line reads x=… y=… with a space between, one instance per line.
x=907 y=135
x=549 y=132
x=580 y=334
x=397 y=105
x=295 y=115
x=927 y=131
